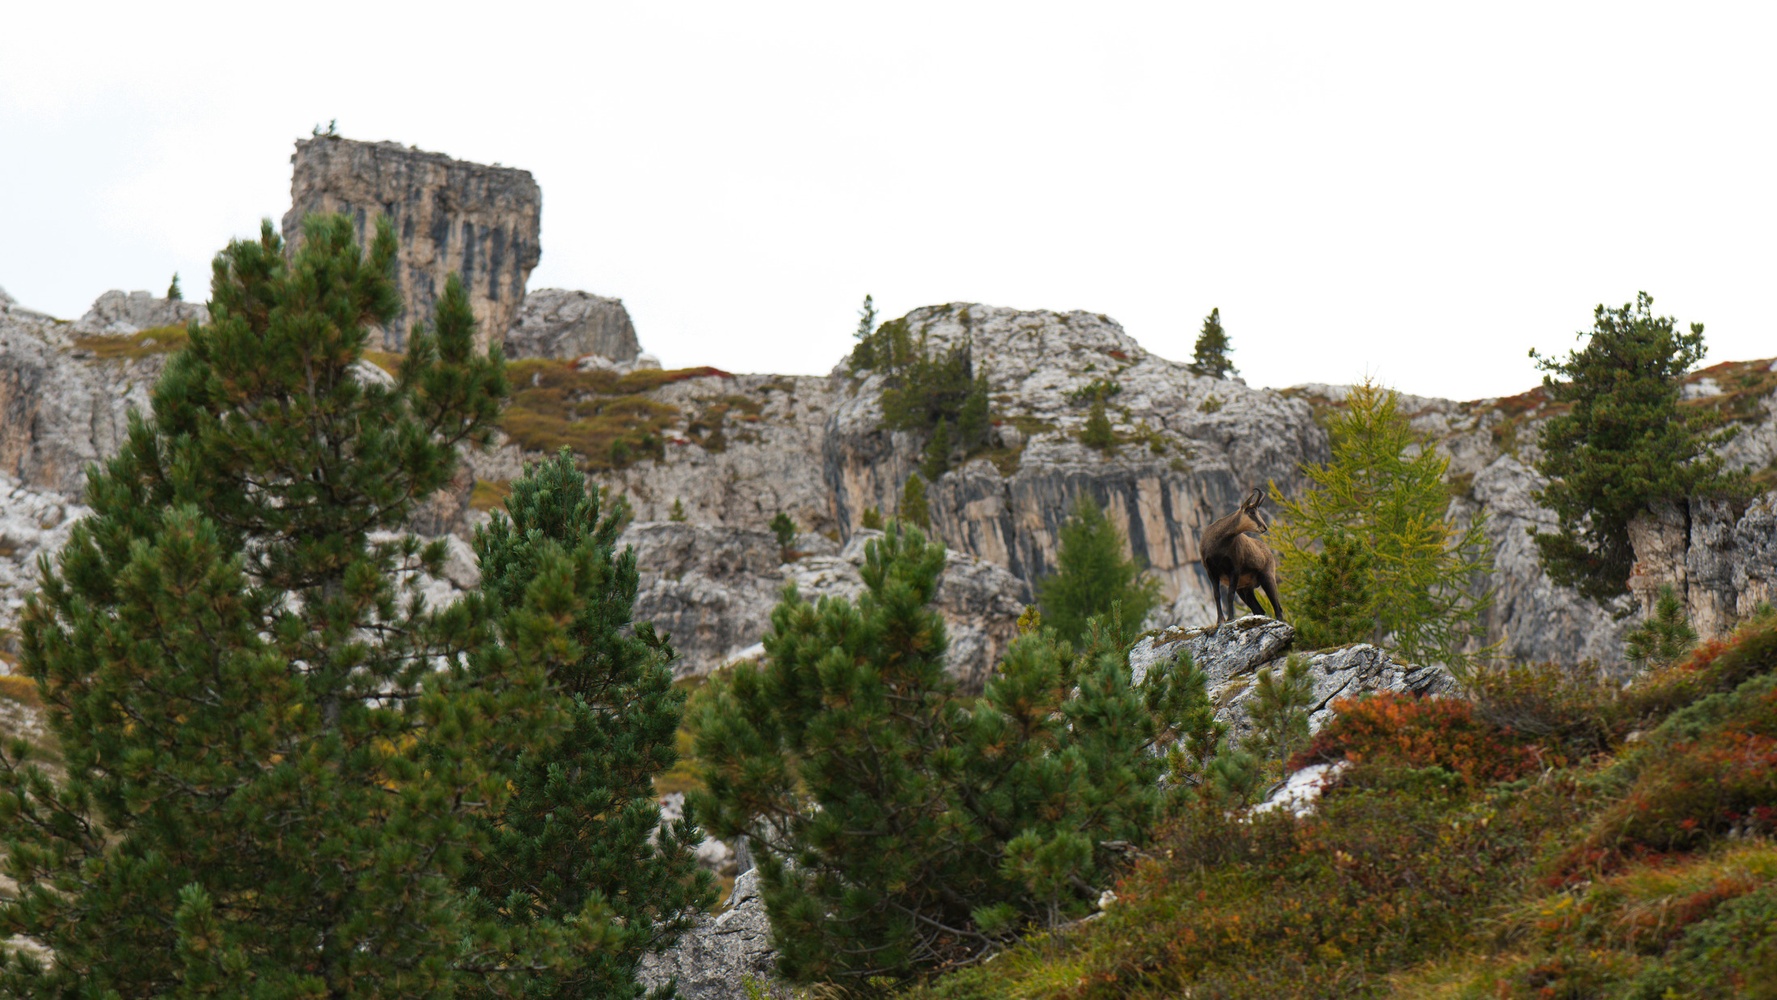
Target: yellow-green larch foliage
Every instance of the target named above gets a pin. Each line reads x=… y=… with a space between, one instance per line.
x=1418 y=587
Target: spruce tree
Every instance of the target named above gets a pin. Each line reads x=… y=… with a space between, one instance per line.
x=274 y=749
x=1093 y=574
x=1212 y=350
x=173 y=292
x=575 y=845
x=982 y=815
x=1623 y=446
x=677 y=514
x=1383 y=496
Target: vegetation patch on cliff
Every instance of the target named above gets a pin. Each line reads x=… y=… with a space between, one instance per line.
x=132 y=346
x=603 y=417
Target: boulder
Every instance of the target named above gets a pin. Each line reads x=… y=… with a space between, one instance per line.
x=556 y=323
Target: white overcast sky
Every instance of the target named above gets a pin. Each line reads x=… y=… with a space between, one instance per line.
x=1419 y=192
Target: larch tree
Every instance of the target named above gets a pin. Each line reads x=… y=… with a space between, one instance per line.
x=1372 y=550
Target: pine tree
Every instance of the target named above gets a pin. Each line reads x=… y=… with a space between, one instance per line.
x=274 y=749
x=576 y=842
x=173 y=292
x=1337 y=602
x=1665 y=636
x=984 y=814
x=1093 y=574
x=1278 y=709
x=1212 y=350
x=784 y=529
x=1098 y=432
x=871 y=519
x=973 y=421
x=1383 y=493
x=677 y=514
x=913 y=509
x=937 y=455
x=863 y=354
x=1624 y=445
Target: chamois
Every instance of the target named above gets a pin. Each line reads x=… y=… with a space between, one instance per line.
x=1233 y=557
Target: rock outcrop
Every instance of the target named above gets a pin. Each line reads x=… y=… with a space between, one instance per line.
x=480 y=222
x=712 y=590
x=1189 y=446
x=715 y=959
x=556 y=323
x=118 y=312
x=64 y=404
x=1232 y=656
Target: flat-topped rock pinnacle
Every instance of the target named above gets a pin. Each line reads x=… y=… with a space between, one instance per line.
x=478 y=221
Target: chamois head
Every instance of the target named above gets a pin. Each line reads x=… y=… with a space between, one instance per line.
x=1251 y=510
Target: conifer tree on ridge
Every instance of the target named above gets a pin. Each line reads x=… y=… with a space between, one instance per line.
x=273 y=747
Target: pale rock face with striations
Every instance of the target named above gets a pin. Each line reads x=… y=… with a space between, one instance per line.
x=557 y=323
x=713 y=589
x=480 y=222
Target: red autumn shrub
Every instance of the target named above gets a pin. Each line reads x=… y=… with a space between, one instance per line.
x=1404 y=731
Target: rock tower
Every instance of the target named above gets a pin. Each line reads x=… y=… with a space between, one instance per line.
x=449 y=215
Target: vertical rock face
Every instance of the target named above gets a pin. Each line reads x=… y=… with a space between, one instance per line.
x=478 y=221
x=556 y=323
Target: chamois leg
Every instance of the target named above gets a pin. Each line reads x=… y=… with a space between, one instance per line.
x=1215 y=585
x=1251 y=601
x=1271 y=595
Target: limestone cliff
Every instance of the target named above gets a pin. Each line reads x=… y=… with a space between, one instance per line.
x=449 y=215
x=1189 y=447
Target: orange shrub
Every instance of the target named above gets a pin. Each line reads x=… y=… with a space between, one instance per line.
x=1405 y=731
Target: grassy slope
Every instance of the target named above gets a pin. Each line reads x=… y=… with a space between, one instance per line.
x=1645 y=869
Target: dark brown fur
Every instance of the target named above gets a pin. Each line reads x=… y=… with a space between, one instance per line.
x=1234 y=558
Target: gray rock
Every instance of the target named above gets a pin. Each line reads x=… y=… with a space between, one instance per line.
x=712 y=589
x=713 y=959
x=61 y=408
x=1187 y=459
x=556 y=323
x=118 y=312
x=449 y=215
x=1232 y=656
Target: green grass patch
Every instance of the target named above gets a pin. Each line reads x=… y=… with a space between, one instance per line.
x=22 y=690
